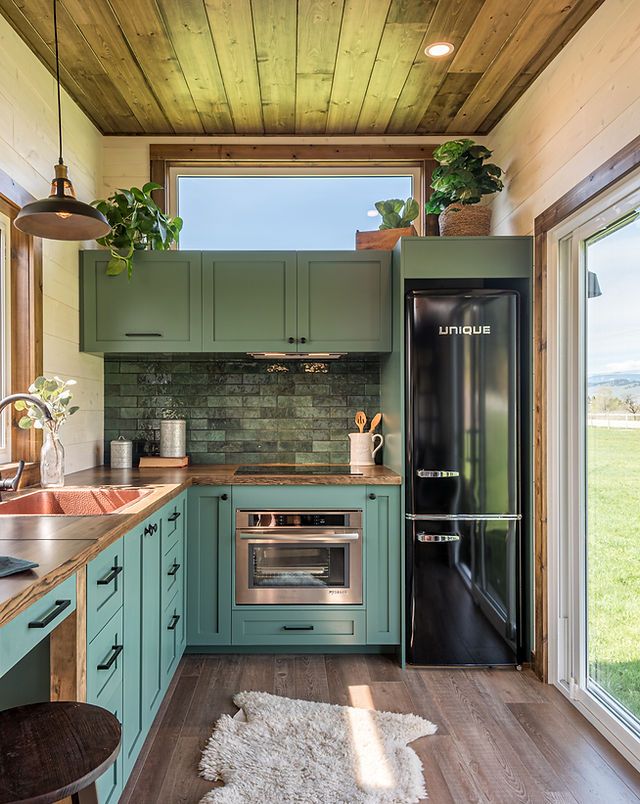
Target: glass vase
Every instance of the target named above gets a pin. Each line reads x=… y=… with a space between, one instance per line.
x=51 y=460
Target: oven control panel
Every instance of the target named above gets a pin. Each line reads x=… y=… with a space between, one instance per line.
x=298 y=519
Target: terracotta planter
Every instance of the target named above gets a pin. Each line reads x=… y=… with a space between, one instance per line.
x=465 y=220
x=383 y=239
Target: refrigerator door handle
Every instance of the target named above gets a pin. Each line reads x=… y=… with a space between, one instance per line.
x=462 y=517
x=436 y=473
x=437 y=538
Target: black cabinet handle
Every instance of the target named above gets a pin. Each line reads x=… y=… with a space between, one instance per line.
x=116 y=651
x=110 y=576
x=174 y=516
x=174 y=569
x=142 y=334
x=372 y=496
x=297 y=627
x=155 y=527
x=149 y=529
x=303 y=340
x=291 y=340
x=224 y=496
x=174 y=622
x=59 y=607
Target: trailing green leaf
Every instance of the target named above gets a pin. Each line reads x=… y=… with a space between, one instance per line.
x=137 y=223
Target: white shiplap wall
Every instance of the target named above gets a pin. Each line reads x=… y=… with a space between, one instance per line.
x=28 y=151
x=578 y=113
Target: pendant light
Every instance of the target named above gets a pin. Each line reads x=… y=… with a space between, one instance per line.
x=61 y=216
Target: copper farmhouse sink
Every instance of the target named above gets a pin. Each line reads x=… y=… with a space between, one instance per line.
x=72 y=502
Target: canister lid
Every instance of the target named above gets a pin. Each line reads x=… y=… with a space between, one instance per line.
x=121 y=440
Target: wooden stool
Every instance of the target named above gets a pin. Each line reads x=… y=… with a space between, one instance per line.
x=49 y=751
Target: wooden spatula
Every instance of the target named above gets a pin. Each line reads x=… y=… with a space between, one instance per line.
x=361 y=420
x=375 y=422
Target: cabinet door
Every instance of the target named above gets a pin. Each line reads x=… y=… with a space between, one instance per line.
x=383 y=541
x=249 y=301
x=133 y=727
x=344 y=301
x=151 y=620
x=157 y=310
x=209 y=545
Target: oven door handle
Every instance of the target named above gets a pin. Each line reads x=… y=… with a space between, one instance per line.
x=291 y=537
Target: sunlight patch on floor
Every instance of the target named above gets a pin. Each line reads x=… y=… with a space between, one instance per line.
x=372 y=768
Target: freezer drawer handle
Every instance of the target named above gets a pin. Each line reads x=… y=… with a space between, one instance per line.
x=438 y=537
x=436 y=473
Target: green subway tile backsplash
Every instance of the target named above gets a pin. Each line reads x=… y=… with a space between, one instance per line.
x=239 y=409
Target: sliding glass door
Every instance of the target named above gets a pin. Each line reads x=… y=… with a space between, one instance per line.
x=612 y=468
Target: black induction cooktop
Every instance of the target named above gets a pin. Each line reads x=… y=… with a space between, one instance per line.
x=311 y=469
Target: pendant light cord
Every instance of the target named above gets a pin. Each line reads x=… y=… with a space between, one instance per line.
x=55 y=36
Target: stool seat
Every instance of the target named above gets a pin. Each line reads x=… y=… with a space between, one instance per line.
x=52 y=750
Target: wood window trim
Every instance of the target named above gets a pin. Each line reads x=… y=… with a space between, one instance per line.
x=163 y=156
x=599 y=181
x=25 y=271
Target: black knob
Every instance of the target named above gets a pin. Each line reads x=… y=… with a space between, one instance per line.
x=303 y=340
x=291 y=340
x=224 y=496
x=372 y=496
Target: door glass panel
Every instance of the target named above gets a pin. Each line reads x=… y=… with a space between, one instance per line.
x=612 y=289
x=297 y=565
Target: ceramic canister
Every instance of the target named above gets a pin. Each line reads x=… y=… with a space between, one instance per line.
x=173 y=438
x=363 y=448
x=121 y=453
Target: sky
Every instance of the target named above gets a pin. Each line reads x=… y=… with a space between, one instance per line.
x=613 y=319
x=290 y=213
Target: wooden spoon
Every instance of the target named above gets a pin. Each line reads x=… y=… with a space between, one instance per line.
x=375 y=422
x=361 y=420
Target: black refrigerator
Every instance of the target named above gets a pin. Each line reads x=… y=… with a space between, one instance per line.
x=463 y=506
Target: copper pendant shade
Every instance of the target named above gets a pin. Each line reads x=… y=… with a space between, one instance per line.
x=61 y=216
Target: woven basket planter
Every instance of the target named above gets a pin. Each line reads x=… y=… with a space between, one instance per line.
x=465 y=220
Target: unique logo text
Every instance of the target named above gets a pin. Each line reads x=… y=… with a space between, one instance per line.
x=466 y=330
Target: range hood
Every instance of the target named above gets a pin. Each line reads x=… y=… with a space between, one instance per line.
x=296 y=355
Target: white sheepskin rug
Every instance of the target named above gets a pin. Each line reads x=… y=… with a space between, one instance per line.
x=285 y=751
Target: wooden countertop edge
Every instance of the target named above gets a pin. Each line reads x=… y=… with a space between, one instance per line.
x=159 y=497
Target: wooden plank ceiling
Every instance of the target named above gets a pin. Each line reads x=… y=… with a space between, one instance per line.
x=297 y=66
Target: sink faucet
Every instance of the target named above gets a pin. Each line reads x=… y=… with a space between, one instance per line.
x=11 y=484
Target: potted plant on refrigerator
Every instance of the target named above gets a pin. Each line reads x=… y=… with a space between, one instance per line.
x=458 y=183
x=396 y=223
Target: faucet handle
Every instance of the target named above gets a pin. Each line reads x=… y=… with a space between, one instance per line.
x=11 y=484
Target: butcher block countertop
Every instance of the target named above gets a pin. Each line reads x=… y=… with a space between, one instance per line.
x=62 y=544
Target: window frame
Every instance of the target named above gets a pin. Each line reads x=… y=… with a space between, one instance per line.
x=5 y=334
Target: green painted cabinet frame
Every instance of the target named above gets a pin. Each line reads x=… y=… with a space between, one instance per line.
x=209 y=544
x=383 y=537
x=158 y=310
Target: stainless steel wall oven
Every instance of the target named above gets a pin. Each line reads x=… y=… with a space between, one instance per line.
x=297 y=557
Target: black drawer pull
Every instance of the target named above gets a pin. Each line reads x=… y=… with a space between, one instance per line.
x=117 y=650
x=110 y=576
x=175 y=515
x=59 y=607
x=174 y=569
x=297 y=627
x=142 y=334
x=174 y=622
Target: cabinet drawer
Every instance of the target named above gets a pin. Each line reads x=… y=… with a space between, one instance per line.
x=298 y=627
x=173 y=523
x=172 y=572
x=105 y=584
x=173 y=632
x=111 y=782
x=105 y=660
x=31 y=626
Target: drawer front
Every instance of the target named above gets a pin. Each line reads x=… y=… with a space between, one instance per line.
x=31 y=626
x=172 y=572
x=111 y=783
x=298 y=627
x=105 y=585
x=105 y=660
x=173 y=633
x=173 y=516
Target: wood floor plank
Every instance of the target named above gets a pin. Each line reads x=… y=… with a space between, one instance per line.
x=383 y=667
x=284 y=682
x=311 y=678
x=344 y=672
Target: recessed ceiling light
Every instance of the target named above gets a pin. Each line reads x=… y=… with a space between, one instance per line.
x=439 y=49
x=372 y=213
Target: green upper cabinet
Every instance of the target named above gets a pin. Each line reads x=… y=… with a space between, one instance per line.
x=344 y=302
x=249 y=301
x=158 y=310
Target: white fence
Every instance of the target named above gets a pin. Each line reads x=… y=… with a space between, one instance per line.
x=618 y=419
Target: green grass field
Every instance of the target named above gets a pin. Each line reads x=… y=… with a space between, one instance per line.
x=613 y=547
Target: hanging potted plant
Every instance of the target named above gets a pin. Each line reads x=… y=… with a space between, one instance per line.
x=56 y=393
x=396 y=223
x=460 y=181
x=137 y=223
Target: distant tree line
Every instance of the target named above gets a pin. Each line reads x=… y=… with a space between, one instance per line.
x=605 y=401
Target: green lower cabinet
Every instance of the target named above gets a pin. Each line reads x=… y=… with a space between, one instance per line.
x=383 y=587
x=151 y=622
x=111 y=784
x=209 y=543
x=133 y=728
x=276 y=625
